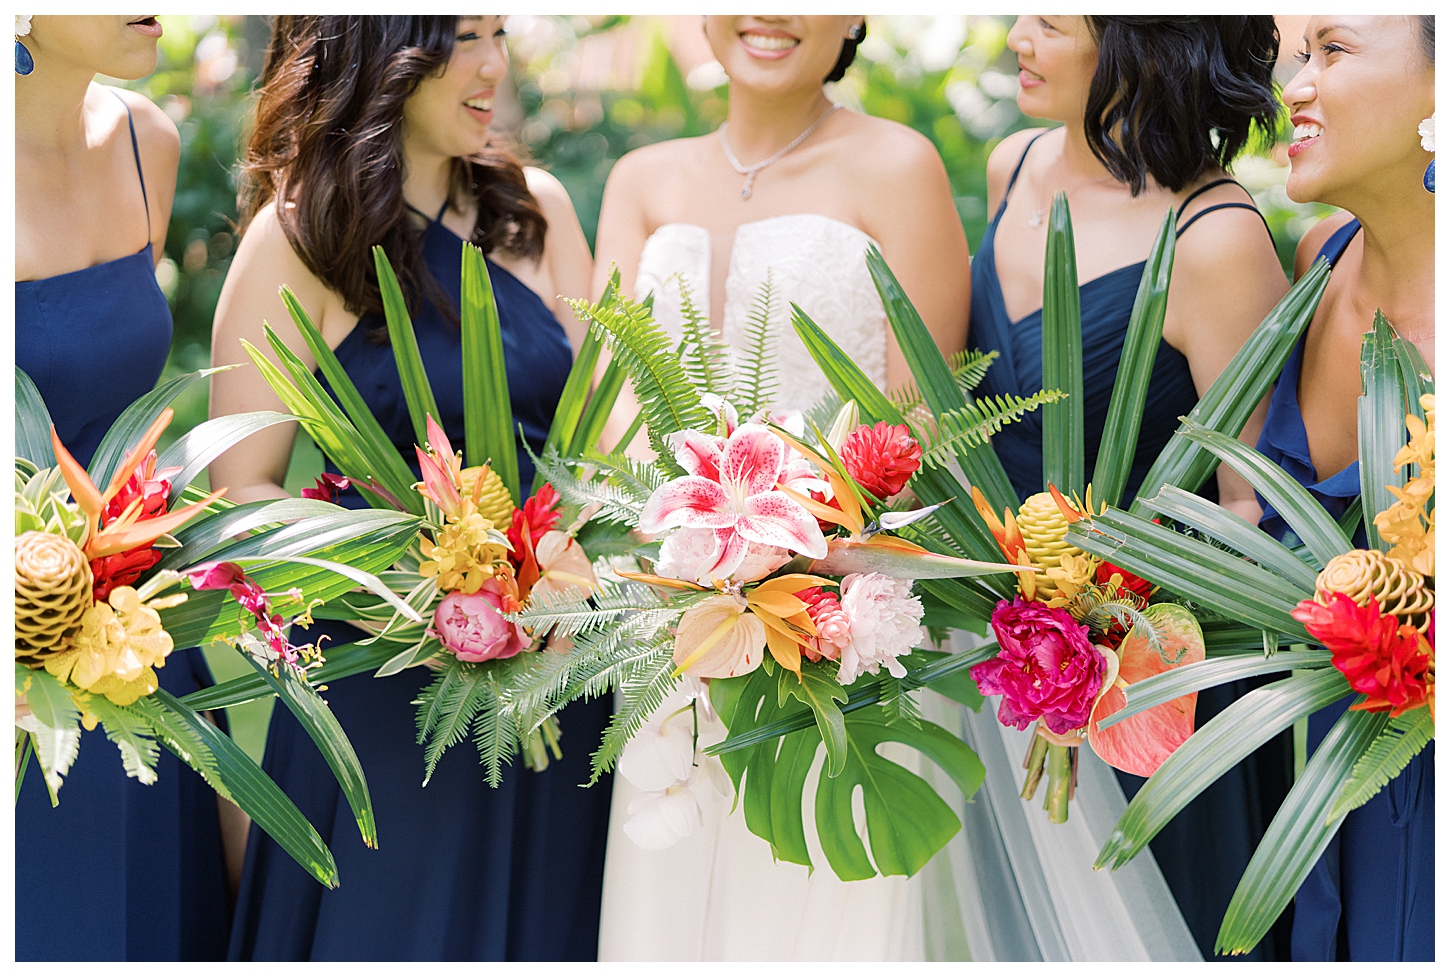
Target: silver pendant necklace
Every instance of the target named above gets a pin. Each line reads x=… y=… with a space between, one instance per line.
x=749 y=171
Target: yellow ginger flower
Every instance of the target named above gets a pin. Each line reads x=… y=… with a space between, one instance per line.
x=1044 y=530
x=463 y=555
x=1406 y=524
x=120 y=644
x=482 y=484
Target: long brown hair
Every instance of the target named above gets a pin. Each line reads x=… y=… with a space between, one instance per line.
x=327 y=145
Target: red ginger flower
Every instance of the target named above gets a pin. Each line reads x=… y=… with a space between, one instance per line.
x=1388 y=661
x=541 y=512
x=881 y=458
x=833 y=625
x=149 y=491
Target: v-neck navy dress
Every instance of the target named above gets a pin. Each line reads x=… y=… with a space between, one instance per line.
x=1204 y=850
x=1371 y=895
x=120 y=870
x=463 y=871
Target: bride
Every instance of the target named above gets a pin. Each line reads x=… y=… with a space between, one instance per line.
x=794 y=189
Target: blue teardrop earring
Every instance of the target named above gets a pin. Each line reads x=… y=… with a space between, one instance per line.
x=24 y=63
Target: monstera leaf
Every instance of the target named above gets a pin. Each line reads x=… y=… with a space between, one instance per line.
x=1141 y=743
x=906 y=822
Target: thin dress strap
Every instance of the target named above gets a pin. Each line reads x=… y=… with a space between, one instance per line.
x=136 y=152
x=432 y=220
x=1236 y=204
x=1013 y=181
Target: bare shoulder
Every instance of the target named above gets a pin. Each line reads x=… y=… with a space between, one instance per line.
x=265 y=254
x=551 y=195
x=645 y=166
x=155 y=132
x=891 y=146
x=1315 y=238
x=1004 y=159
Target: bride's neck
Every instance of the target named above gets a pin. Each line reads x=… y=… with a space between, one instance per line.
x=761 y=125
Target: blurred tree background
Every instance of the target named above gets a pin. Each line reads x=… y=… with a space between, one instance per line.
x=586 y=90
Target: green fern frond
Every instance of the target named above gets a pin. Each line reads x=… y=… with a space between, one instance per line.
x=968 y=369
x=705 y=356
x=132 y=734
x=609 y=658
x=449 y=707
x=532 y=686
x=616 y=505
x=643 y=693
x=972 y=425
x=1100 y=615
x=181 y=740
x=567 y=611
x=1386 y=758
x=897 y=704
x=494 y=734
x=636 y=479
x=755 y=386
x=667 y=397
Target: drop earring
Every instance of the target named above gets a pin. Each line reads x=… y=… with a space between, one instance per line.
x=855 y=32
x=24 y=63
x=1427 y=143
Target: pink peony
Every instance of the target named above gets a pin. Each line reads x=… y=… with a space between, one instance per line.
x=470 y=626
x=1046 y=667
x=885 y=625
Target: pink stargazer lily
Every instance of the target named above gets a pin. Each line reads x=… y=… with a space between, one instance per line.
x=731 y=489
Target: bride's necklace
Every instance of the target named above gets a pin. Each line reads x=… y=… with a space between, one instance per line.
x=1034 y=219
x=749 y=171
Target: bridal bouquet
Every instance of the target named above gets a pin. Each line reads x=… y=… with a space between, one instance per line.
x=486 y=553
x=1357 y=620
x=109 y=581
x=776 y=573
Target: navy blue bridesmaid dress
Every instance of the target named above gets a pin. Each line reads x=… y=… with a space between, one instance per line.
x=120 y=870
x=463 y=871
x=1371 y=895
x=1204 y=850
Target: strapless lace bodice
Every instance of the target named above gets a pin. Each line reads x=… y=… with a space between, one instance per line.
x=815 y=262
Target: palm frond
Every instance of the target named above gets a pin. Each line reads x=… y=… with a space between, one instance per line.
x=972 y=425
x=755 y=384
x=1386 y=758
x=132 y=734
x=968 y=369
x=705 y=356
x=897 y=704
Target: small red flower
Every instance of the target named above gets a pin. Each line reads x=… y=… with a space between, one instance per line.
x=1387 y=661
x=881 y=458
x=122 y=569
x=1130 y=581
x=328 y=485
x=541 y=512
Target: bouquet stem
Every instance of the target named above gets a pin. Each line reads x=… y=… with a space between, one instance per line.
x=1061 y=770
x=540 y=743
x=1033 y=764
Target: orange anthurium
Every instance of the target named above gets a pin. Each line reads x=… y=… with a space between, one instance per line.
x=126 y=531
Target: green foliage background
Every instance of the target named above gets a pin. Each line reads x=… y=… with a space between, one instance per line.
x=950 y=78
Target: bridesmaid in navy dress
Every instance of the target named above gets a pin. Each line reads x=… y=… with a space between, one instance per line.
x=120 y=870
x=367 y=127
x=1357 y=104
x=1136 y=141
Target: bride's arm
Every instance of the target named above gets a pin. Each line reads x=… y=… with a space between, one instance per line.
x=908 y=209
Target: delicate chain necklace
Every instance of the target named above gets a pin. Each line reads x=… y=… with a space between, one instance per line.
x=1034 y=219
x=749 y=171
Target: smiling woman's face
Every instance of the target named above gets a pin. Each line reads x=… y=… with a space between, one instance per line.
x=449 y=114
x=1056 y=59
x=1356 y=106
x=777 y=54
x=118 y=46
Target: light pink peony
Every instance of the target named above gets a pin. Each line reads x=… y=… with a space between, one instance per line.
x=885 y=625
x=1046 y=668
x=470 y=626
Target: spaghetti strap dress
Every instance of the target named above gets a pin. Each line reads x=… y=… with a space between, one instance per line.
x=463 y=871
x=1371 y=895
x=120 y=870
x=1204 y=850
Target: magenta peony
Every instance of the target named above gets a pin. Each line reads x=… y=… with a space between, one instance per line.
x=1046 y=667
x=470 y=626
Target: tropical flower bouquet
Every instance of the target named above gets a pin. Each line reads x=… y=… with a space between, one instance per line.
x=486 y=553
x=1357 y=620
x=776 y=574
x=108 y=582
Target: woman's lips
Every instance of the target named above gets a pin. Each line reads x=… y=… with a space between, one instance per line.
x=769 y=46
x=1306 y=134
x=1027 y=79
x=149 y=26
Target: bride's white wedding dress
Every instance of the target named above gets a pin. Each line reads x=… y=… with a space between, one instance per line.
x=1009 y=886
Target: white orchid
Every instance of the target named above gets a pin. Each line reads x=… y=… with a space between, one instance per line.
x=1427 y=134
x=22 y=24
x=659 y=755
x=660 y=819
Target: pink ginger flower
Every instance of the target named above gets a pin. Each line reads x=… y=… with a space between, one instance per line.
x=833 y=624
x=731 y=489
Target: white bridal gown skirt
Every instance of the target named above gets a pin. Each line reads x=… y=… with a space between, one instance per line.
x=719 y=895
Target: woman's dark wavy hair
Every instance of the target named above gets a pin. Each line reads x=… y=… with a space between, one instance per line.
x=327 y=145
x=1174 y=97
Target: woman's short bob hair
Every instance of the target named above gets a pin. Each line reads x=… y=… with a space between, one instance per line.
x=1175 y=97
